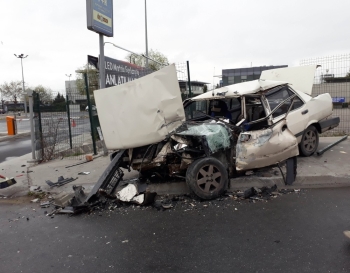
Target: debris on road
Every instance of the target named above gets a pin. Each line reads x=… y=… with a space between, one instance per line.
x=60 y=181
x=320 y=152
x=45 y=204
x=35 y=189
x=6 y=182
x=84 y=173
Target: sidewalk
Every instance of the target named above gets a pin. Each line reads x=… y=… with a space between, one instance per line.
x=328 y=170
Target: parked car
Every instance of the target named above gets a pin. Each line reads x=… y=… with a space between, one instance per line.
x=93 y=108
x=212 y=137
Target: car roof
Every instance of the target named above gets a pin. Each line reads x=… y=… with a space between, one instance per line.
x=239 y=89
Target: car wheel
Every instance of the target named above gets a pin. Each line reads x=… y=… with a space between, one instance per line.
x=207 y=178
x=309 y=141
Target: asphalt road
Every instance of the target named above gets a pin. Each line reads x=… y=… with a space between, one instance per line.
x=15 y=147
x=296 y=232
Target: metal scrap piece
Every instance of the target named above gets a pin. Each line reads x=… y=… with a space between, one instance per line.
x=60 y=181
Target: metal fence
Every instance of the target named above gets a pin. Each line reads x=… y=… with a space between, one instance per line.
x=63 y=127
x=333 y=77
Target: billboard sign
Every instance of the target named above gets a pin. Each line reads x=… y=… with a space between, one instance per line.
x=338 y=99
x=118 y=72
x=99 y=15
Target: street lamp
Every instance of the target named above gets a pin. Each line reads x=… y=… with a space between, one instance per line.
x=21 y=56
x=146 y=34
x=69 y=75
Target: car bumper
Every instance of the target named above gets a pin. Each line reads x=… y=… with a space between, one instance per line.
x=329 y=124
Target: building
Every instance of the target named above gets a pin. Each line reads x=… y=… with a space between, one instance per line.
x=74 y=94
x=237 y=75
x=196 y=88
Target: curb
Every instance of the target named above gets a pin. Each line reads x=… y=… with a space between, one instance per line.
x=180 y=187
x=20 y=135
x=305 y=182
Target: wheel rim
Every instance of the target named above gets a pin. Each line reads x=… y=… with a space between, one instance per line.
x=309 y=141
x=209 y=178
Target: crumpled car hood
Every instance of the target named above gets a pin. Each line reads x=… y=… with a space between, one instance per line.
x=140 y=112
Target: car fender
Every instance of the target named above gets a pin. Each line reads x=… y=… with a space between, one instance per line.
x=314 y=123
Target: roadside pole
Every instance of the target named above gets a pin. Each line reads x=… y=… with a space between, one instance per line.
x=90 y=114
x=189 y=87
x=69 y=125
x=31 y=116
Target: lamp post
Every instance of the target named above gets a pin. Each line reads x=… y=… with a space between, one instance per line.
x=2 y=101
x=146 y=33
x=69 y=75
x=31 y=119
x=21 y=56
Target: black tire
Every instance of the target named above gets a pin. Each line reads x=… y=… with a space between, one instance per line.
x=309 y=141
x=207 y=178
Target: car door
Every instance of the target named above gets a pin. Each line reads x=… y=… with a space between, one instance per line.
x=265 y=147
x=298 y=116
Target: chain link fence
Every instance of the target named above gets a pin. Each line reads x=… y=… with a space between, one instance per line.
x=63 y=127
x=333 y=77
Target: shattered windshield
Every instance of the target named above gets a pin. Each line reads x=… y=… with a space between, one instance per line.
x=216 y=135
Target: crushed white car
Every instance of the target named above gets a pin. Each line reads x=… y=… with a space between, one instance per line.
x=213 y=136
x=266 y=101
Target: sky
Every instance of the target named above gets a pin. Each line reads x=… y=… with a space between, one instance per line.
x=211 y=35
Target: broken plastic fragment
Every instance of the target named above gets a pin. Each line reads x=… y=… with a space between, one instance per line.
x=84 y=173
x=127 y=193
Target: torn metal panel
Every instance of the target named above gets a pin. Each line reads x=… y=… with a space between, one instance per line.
x=261 y=148
x=216 y=135
x=181 y=140
x=186 y=160
x=161 y=156
x=239 y=89
x=140 y=112
x=301 y=78
x=61 y=181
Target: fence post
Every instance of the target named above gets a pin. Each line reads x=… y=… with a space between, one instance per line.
x=189 y=87
x=69 y=125
x=32 y=137
x=37 y=104
x=90 y=113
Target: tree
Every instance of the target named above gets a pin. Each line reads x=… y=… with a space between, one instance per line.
x=59 y=103
x=45 y=94
x=58 y=99
x=161 y=59
x=12 y=90
x=205 y=88
x=93 y=79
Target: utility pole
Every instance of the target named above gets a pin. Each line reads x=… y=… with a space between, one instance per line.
x=69 y=75
x=146 y=33
x=31 y=119
x=21 y=56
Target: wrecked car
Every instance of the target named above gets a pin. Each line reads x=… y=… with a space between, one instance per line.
x=248 y=102
x=210 y=138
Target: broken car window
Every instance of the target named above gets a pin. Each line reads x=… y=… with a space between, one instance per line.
x=275 y=97
x=195 y=110
x=254 y=111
